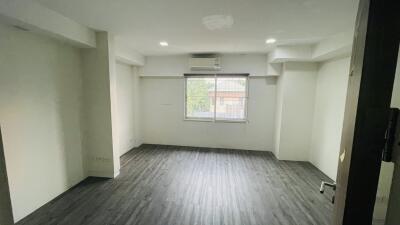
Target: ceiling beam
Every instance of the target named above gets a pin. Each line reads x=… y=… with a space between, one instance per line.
x=34 y=17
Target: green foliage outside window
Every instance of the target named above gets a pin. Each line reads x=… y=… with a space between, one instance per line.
x=198 y=99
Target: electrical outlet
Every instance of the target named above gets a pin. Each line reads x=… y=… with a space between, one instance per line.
x=101 y=159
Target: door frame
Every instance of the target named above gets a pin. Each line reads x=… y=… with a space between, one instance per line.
x=372 y=72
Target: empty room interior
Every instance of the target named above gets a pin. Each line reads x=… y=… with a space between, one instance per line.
x=174 y=112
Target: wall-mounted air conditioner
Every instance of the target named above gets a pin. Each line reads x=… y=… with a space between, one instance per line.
x=204 y=62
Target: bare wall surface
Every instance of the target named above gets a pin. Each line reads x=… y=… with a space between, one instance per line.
x=40 y=102
x=330 y=99
x=296 y=93
x=127 y=107
x=254 y=64
x=98 y=93
x=163 y=117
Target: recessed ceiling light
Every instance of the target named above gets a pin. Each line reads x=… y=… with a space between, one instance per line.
x=270 y=41
x=163 y=43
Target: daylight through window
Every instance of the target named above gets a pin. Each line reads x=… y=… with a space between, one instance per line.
x=216 y=97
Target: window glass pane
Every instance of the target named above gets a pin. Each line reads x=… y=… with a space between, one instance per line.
x=231 y=98
x=200 y=93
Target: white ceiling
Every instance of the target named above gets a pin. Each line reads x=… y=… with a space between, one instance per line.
x=142 y=24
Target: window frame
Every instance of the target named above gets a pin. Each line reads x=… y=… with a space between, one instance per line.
x=214 y=118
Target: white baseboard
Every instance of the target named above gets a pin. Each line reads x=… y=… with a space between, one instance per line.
x=105 y=174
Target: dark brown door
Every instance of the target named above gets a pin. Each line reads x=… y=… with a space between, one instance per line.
x=372 y=72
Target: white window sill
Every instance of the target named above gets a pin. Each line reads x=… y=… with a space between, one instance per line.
x=215 y=121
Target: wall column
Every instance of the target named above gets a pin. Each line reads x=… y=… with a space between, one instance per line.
x=295 y=109
x=99 y=140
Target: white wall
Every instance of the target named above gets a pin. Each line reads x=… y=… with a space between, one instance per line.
x=37 y=18
x=163 y=114
x=40 y=102
x=127 y=107
x=278 y=115
x=296 y=94
x=137 y=116
x=100 y=120
x=162 y=96
x=125 y=54
x=330 y=99
x=254 y=64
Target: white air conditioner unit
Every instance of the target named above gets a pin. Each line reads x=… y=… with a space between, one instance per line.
x=204 y=63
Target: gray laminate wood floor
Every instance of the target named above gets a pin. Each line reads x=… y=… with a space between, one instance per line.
x=185 y=185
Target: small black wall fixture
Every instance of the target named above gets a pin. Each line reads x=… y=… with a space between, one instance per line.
x=392 y=135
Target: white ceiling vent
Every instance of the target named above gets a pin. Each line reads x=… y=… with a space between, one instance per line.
x=218 y=22
x=204 y=62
